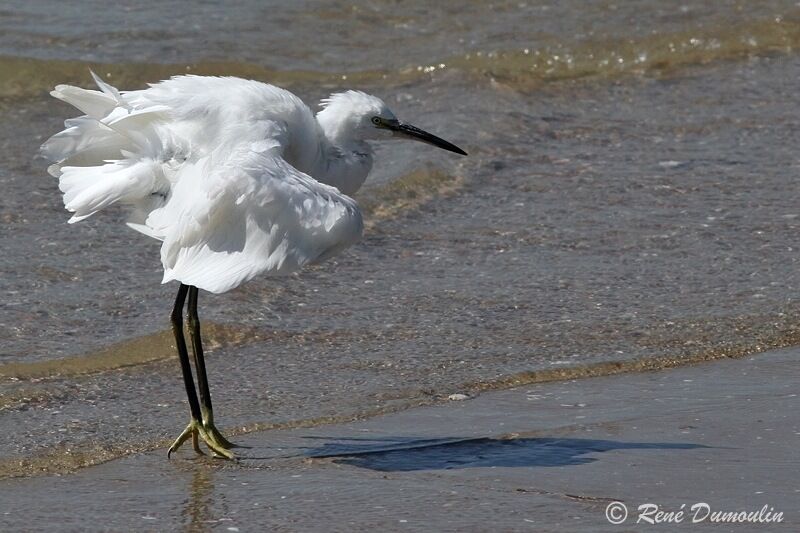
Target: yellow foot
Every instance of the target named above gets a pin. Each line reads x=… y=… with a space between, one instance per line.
x=197 y=430
x=208 y=423
x=219 y=437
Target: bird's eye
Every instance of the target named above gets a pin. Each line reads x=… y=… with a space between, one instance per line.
x=376 y=121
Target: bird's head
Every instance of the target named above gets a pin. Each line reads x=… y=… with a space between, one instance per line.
x=363 y=117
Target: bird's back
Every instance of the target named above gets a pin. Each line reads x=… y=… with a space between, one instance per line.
x=218 y=112
x=217 y=168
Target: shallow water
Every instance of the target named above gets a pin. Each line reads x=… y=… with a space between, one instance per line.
x=607 y=212
x=546 y=457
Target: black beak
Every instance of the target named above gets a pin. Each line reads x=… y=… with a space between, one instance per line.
x=421 y=135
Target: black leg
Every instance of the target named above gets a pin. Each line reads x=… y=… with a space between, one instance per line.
x=183 y=354
x=197 y=349
x=201 y=426
x=202 y=379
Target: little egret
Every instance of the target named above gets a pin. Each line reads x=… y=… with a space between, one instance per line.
x=235 y=177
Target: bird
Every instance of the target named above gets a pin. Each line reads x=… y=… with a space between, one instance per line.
x=236 y=178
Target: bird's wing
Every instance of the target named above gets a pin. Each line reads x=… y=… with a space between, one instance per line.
x=200 y=160
x=246 y=212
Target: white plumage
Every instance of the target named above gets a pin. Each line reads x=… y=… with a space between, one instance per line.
x=216 y=168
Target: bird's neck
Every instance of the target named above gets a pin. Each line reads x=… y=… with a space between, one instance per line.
x=344 y=161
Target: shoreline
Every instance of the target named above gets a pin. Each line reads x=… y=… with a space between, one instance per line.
x=61 y=462
x=556 y=454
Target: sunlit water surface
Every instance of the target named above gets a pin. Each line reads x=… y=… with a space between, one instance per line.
x=630 y=193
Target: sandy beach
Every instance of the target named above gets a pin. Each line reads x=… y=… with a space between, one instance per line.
x=611 y=278
x=547 y=457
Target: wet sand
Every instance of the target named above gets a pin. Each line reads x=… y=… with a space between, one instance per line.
x=547 y=457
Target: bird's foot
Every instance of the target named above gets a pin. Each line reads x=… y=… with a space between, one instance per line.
x=206 y=431
x=208 y=423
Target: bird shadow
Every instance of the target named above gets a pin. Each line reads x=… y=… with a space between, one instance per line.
x=409 y=454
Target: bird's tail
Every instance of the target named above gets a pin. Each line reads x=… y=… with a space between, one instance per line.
x=107 y=155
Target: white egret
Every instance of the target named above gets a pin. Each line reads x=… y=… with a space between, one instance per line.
x=235 y=177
